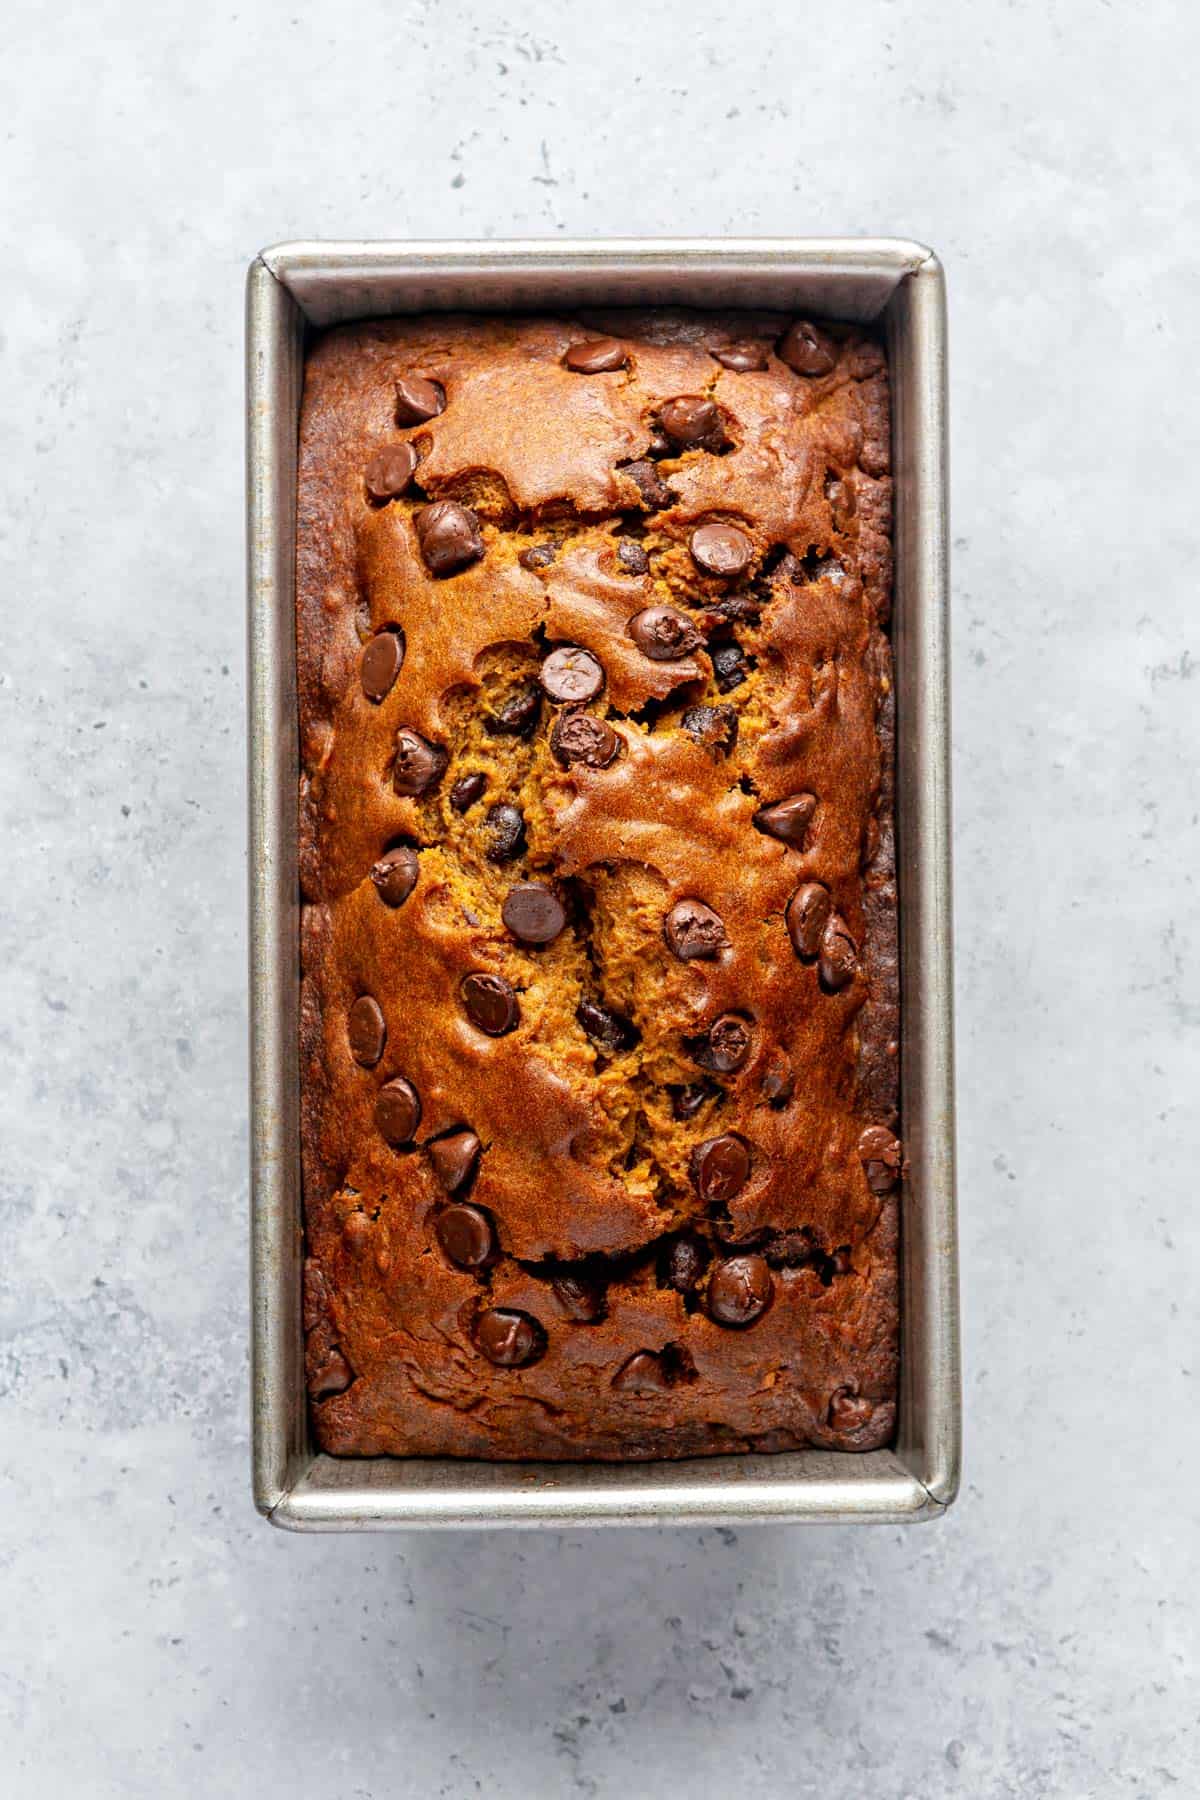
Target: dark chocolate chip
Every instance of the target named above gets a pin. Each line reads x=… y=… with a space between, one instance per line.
x=533 y=913
x=418 y=399
x=517 y=715
x=509 y=1339
x=398 y=1111
x=663 y=634
x=684 y=1264
x=467 y=790
x=504 y=830
x=839 y=956
x=779 y=1082
x=727 y=1045
x=490 y=1003
x=787 y=819
x=805 y=349
x=597 y=356
x=333 y=1377
x=580 y=1297
x=571 y=675
x=850 y=1412
x=466 y=1235
x=739 y=1290
x=419 y=764
x=721 y=549
x=649 y=484
x=720 y=1168
x=686 y=1101
x=644 y=1373
x=538 y=556
x=395 y=875
x=382 y=660
x=448 y=535
x=660 y=443
x=729 y=666
x=366 y=1030
x=632 y=557
x=692 y=422
x=694 y=931
x=580 y=737
x=881 y=1156
x=604 y=1027
x=741 y=358
x=389 y=471
x=454 y=1158
x=807 y=915
x=714 y=728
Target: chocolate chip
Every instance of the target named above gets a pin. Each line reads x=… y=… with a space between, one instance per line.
x=382 y=661
x=729 y=666
x=604 y=1027
x=649 y=484
x=418 y=399
x=727 y=1045
x=509 y=1339
x=850 y=1412
x=715 y=728
x=721 y=549
x=787 y=819
x=454 y=1158
x=694 y=931
x=448 y=535
x=642 y=1374
x=580 y=1297
x=490 y=1003
x=663 y=634
x=398 y=1111
x=839 y=956
x=466 y=1235
x=419 y=765
x=533 y=913
x=741 y=358
x=517 y=715
x=580 y=737
x=659 y=443
x=632 y=557
x=366 y=1031
x=395 y=875
x=805 y=349
x=504 y=829
x=467 y=790
x=571 y=675
x=684 y=1264
x=389 y=471
x=739 y=1290
x=807 y=915
x=692 y=422
x=598 y=356
x=333 y=1377
x=843 y=503
x=686 y=1101
x=779 y=1082
x=538 y=556
x=881 y=1157
x=720 y=1168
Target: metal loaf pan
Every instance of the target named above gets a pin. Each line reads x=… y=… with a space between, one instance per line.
x=295 y=287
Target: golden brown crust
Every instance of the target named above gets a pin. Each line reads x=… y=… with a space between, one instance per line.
x=584 y=1169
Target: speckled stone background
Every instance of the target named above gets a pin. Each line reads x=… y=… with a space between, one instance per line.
x=156 y=1638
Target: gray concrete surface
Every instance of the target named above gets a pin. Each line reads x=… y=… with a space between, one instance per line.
x=156 y=1639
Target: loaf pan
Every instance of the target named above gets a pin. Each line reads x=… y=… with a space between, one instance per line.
x=296 y=287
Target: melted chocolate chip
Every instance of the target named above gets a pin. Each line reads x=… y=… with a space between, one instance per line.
x=466 y=1235
x=448 y=535
x=693 y=423
x=838 y=963
x=807 y=350
x=419 y=765
x=381 y=662
x=850 y=1412
x=741 y=358
x=686 y=1101
x=389 y=472
x=843 y=503
x=490 y=1003
x=454 y=1158
x=533 y=913
x=715 y=728
x=739 y=1290
x=418 y=399
x=632 y=557
x=509 y=1339
x=467 y=790
x=580 y=1297
x=729 y=666
x=571 y=675
x=398 y=1112
x=649 y=483
x=720 y=1168
x=394 y=876
x=598 y=356
x=538 y=556
x=644 y=1373
x=787 y=819
x=366 y=1031
x=333 y=1377
x=663 y=634
x=580 y=737
x=606 y=1028
x=779 y=1082
x=517 y=715
x=881 y=1156
x=504 y=828
x=694 y=931
x=727 y=1045
x=807 y=915
x=721 y=549
x=684 y=1264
